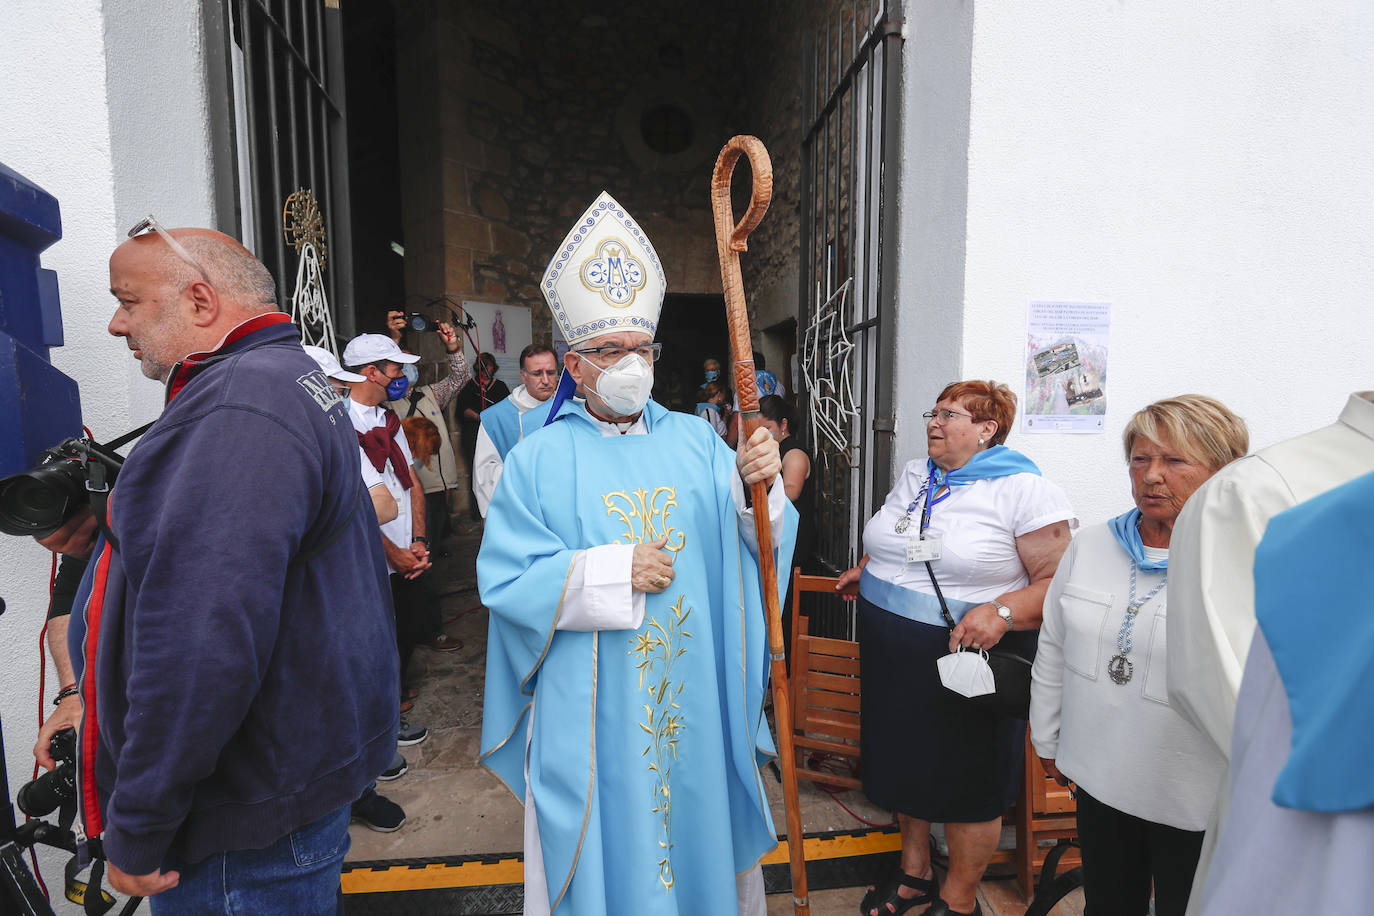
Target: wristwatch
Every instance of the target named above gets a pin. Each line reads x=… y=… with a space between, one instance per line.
x=421 y=538
x=1005 y=613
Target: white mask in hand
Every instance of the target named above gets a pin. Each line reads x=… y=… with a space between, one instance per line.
x=967 y=673
x=626 y=386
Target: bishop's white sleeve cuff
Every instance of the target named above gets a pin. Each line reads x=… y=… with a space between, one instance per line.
x=777 y=504
x=599 y=595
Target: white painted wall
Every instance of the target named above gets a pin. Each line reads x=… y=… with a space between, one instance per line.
x=1204 y=167
x=68 y=70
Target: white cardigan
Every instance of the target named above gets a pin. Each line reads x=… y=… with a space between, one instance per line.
x=1123 y=743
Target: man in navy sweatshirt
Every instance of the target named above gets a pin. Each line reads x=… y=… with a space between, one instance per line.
x=235 y=646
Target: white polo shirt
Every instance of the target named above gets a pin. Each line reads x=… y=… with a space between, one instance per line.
x=365 y=419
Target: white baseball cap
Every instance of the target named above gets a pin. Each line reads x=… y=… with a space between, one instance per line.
x=330 y=366
x=369 y=348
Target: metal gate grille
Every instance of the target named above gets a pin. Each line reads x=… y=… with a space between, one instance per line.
x=852 y=86
x=287 y=66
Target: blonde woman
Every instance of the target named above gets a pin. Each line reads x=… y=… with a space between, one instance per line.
x=1100 y=713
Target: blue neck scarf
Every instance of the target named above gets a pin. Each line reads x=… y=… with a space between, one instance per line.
x=998 y=461
x=1126 y=528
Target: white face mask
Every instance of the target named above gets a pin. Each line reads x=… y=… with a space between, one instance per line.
x=967 y=673
x=626 y=386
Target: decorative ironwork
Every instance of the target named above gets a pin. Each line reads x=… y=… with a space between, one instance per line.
x=827 y=354
x=850 y=155
x=302 y=223
x=303 y=228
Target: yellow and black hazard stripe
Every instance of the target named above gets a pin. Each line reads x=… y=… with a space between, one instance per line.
x=493 y=884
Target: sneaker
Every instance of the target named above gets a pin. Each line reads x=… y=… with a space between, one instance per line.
x=445 y=643
x=377 y=812
x=408 y=734
x=395 y=771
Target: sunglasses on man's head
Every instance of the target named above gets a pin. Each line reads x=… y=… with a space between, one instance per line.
x=150 y=223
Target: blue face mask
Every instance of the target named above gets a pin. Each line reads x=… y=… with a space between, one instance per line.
x=397 y=388
x=712 y=374
x=411 y=373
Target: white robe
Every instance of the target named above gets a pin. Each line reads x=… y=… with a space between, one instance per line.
x=486 y=461
x=1212 y=567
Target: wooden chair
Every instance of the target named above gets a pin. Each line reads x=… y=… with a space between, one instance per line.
x=824 y=690
x=1045 y=811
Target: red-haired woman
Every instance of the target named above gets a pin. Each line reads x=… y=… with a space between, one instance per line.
x=993 y=531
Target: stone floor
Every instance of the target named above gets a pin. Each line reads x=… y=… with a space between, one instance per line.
x=456 y=807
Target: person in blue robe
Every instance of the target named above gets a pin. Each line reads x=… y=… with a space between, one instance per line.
x=1300 y=834
x=626 y=657
x=513 y=418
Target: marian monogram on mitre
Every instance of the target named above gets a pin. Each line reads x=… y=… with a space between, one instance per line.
x=614 y=273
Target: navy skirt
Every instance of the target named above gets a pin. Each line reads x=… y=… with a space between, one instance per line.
x=926 y=751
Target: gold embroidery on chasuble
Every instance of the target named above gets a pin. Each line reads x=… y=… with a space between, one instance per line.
x=655 y=648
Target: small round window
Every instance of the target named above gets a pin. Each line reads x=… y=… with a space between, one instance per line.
x=666 y=128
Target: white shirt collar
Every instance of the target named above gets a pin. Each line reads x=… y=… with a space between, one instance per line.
x=524 y=400
x=637 y=428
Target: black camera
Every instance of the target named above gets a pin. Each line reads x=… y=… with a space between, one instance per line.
x=417 y=322
x=56 y=787
x=38 y=501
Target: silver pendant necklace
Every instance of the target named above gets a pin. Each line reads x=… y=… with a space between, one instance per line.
x=1121 y=668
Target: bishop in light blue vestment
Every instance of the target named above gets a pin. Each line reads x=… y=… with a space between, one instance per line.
x=644 y=744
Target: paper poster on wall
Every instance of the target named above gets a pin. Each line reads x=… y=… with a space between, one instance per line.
x=1066 y=367
x=503 y=331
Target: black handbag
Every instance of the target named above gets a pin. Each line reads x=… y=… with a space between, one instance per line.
x=1011 y=673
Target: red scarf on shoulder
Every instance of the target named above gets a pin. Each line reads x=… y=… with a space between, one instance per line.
x=379 y=444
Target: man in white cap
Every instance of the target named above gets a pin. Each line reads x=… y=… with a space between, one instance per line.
x=377 y=360
x=620 y=568
x=382 y=501
x=508 y=421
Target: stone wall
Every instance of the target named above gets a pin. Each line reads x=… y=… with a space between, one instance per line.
x=529 y=123
x=512 y=123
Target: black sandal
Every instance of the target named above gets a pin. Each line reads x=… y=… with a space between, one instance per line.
x=885 y=895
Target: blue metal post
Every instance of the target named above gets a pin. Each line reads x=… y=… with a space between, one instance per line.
x=39 y=406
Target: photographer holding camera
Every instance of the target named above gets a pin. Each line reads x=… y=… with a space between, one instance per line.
x=430 y=401
x=232 y=655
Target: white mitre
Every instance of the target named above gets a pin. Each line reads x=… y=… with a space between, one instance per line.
x=605 y=276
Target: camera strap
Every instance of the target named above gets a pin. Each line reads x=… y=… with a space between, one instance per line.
x=128 y=437
x=98 y=490
x=98 y=481
x=89 y=894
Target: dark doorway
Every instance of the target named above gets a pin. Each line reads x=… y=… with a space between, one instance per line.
x=692 y=328
x=369 y=44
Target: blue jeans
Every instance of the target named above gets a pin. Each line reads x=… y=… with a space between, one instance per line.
x=298 y=874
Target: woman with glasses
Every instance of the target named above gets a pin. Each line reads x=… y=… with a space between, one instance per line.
x=1100 y=713
x=976 y=517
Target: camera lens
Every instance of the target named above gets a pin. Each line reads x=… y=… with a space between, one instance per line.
x=419 y=322
x=46 y=794
x=37 y=502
